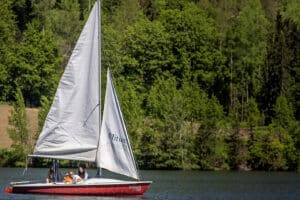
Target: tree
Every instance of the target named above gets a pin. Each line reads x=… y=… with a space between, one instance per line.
x=131 y=104
x=210 y=146
x=246 y=50
x=146 y=50
x=43 y=111
x=8 y=31
x=149 y=151
x=64 y=19
x=193 y=39
x=284 y=116
x=195 y=100
x=109 y=7
x=127 y=13
x=37 y=68
x=18 y=122
x=112 y=50
x=150 y=8
x=23 y=10
x=252 y=114
x=290 y=11
x=253 y=119
x=166 y=104
x=281 y=74
x=294 y=131
x=273 y=150
x=292 y=23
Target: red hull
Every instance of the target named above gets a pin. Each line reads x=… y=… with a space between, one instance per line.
x=76 y=189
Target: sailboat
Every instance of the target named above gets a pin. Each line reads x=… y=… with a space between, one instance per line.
x=73 y=129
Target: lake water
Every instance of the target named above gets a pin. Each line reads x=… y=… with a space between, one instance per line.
x=185 y=185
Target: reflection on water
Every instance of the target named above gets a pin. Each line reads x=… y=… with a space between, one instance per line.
x=56 y=197
x=105 y=198
x=88 y=198
x=185 y=185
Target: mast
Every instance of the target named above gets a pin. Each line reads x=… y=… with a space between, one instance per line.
x=99 y=42
x=99 y=171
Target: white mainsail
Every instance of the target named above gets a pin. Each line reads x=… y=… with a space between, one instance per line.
x=71 y=129
x=114 y=151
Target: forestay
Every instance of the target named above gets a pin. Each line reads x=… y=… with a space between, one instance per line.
x=115 y=152
x=71 y=129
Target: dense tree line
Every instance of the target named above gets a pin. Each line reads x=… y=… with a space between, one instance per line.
x=207 y=85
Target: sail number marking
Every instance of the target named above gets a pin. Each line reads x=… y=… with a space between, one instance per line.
x=116 y=138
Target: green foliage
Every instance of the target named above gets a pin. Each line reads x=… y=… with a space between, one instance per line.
x=11 y=157
x=7 y=34
x=146 y=52
x=294 y=131
x=36 y=70
x=165 y=102
x=64 y=21
x=127 y=13
x=283 y=113
x=111 y=50
x=43 y=111
x=132 y=110
x=22 y=10
x=202 y=84
x=193 y=40
x=290 y=12
x=214 y=114
x=272 y=150
x=252 y=114
x=62 y=18
x=7 y=23
x=247 y=54
x=291 y=30
x=18 y=131
x=282 y=66
x=195 y=101
x=211 y=147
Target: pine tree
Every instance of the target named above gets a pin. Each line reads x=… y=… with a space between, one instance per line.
x=281 y=71
x=284 y=116
x=252 y=114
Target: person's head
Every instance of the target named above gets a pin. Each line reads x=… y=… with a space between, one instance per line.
x=51 y=170
x=71 y=174
x=80 y=169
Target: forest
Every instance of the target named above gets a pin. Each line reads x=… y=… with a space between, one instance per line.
x=203 y=84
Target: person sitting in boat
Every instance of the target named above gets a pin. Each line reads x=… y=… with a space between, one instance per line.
x=50 y=178
x=68 y=178
x=82 y=173
x=72 y=178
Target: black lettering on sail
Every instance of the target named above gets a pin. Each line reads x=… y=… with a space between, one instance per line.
x=116 y=138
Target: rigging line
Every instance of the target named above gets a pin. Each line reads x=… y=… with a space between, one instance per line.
x=26 y=166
